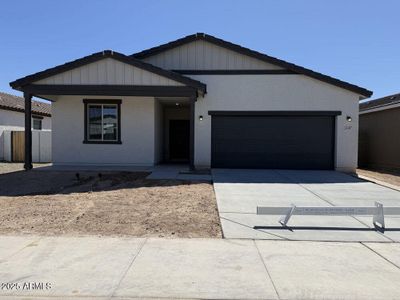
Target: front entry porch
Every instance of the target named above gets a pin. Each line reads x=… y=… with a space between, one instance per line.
x=109 y=109
x=170 y=135
x=173 y=120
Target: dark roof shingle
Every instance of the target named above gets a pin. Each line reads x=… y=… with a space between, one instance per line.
x=380 y=102
x=19 y=83
x=261 y=56
x=15 y=103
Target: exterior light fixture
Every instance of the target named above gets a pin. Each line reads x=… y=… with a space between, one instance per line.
x=177 y=103
x=349 y=119
x=201 y=118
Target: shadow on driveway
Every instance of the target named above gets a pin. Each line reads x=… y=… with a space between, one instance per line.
x=282 y=176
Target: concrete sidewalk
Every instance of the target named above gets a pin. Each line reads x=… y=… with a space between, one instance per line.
x=89 y=267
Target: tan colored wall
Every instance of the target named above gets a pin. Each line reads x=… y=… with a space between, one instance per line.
x=379 y=139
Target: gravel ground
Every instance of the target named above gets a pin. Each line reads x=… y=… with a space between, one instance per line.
x=388 y=176
x=114 y=204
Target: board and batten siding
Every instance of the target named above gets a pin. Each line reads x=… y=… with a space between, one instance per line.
x=202 y=55
x=108 y=71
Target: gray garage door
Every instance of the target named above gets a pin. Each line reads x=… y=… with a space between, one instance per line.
x=273 y=142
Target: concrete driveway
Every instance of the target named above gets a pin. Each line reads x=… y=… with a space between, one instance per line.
x=239 y=192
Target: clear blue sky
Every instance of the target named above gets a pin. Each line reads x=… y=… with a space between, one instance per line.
x=356 y=41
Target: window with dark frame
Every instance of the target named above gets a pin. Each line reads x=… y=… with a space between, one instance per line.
x=102 y=121
x=36 y=123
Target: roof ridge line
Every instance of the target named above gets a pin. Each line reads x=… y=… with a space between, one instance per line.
x=255 y=54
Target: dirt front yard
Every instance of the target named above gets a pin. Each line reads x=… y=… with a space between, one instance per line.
x=110 y=203
x=388 y=176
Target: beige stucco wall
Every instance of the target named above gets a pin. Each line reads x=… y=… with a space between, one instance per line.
x=277 y=92
x=137 y=134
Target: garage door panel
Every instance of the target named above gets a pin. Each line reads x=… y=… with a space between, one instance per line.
x=281 y=142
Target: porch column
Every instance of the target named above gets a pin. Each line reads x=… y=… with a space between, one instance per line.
x=28 y=131
x=192 y=120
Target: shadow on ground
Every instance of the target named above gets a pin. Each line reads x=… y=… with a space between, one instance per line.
x=282 y=176
x=31 y=183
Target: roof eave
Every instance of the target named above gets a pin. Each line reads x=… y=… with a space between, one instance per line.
x=21 y=110
x=21 y=82
x=384 y=103
x=258 y=55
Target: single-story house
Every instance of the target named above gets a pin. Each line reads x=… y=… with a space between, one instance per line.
x=200 y=100
x=12 y=118
x=379 y=133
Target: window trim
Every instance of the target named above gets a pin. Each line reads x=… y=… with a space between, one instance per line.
x=102 y=102
x=38 y=118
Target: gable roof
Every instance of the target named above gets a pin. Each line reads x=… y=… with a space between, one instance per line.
x=383 y=102
x=263 y=57
x=19 y=83
x=15 y=103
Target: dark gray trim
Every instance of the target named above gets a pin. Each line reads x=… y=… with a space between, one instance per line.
x=112 y=90
x=28 y=132
x=235 y=72
x=102 y=101
x=334 y=141
x=85 y=118
x=274 y=113
x=19 y=84
x=248 y=52
x=34 y=116
x=102 y=142
x=191 y=137
x=386 y=102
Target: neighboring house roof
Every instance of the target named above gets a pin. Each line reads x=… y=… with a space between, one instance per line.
x=15 y=103
x=383 y=103
x=17 y=84
x=263 y=57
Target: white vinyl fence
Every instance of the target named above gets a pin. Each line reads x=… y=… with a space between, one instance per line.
x=41 y=146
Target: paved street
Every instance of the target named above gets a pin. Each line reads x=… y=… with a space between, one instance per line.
x=81 y=267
